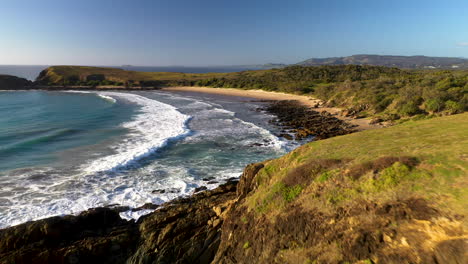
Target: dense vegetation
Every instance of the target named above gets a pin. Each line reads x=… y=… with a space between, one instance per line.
x=406 y=62
x=386 y=93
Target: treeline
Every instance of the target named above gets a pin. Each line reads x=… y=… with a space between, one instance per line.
x=387 y=93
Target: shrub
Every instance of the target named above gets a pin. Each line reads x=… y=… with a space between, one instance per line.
x=434 y=105
x=409 y=109
x=453 y=107
x=392 y=175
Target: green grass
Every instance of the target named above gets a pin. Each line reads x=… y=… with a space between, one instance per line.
x=57 y=74
x=439 y=144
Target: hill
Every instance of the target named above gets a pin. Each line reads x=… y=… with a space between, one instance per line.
x=406 y=62
x=364 y=91
x=392 y=195
x=8 y=82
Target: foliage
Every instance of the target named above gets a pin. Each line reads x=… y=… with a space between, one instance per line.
x=387 y=93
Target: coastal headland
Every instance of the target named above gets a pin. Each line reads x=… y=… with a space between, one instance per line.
x=392 y=195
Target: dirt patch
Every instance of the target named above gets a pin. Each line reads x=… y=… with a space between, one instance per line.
x=380 y=164
x=307 y=172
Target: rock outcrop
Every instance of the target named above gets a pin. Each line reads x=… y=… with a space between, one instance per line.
x=8 y=82
x=186 y=230
x=304 y=122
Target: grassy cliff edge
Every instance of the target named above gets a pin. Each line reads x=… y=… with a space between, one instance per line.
x=394 y=195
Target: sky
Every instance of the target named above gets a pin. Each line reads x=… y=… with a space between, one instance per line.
x=225 y=32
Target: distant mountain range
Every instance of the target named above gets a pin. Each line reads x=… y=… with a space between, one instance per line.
x=408 y=62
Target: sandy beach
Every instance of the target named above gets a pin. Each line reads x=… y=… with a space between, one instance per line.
x=362 y=123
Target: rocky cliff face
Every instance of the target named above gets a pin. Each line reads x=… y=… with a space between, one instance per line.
x=8 y=82
x=217 y=227
x=182 y=231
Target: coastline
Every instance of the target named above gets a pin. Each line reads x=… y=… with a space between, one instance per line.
x=313 y=103
x=212 y=226
x=254 y=123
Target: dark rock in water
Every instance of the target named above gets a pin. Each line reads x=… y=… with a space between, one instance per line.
x=186 y=230
x=171 y=190
x=256 y=144
x=201 y=188
x=208 y=179
x=212 y=182
x=286 y=136
x=233 y=179
x=306 y=122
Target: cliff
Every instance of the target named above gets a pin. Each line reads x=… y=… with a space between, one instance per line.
x=8 y=82
x=393 y=195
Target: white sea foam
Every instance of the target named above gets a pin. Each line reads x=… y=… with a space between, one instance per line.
x=149 y=130
x=108 y=98
x=101 y=95
x=105 y=182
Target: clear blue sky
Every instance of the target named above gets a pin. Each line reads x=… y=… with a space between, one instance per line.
x=226 y=32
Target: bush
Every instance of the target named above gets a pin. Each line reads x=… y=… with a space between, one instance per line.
x=453 y=107
x=434 y=105
x=409 y=109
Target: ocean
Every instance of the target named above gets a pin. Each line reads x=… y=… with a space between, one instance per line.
x=65 y=152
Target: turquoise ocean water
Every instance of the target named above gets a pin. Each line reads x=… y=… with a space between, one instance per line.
x=65 y=152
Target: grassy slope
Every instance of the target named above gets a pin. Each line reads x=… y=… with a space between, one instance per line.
x=56 y=74
x=394 y=195
x=440 y=145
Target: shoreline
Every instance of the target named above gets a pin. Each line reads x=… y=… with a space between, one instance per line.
x=315 y=104
x=203 y=183
x=310 y=102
